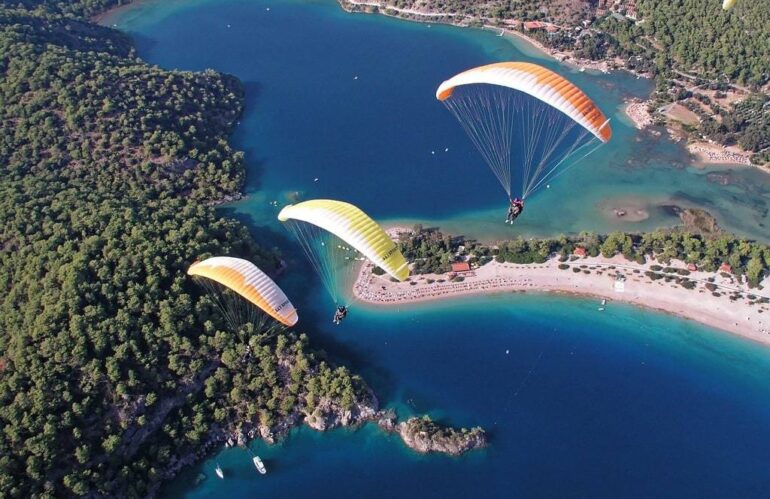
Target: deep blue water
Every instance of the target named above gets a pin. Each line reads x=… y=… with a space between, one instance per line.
x=624 y=403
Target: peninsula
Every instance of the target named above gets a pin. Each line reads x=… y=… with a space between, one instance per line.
x=674 y=272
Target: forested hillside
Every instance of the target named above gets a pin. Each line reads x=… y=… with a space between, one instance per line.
x=80 y=8
x=689 y=35
x=112 y=363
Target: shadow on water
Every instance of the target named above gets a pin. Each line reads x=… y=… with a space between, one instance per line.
x=143 y=43
x=255 y=162
x=253 y=91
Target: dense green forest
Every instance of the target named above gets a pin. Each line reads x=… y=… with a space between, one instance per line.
x=695 y=36
x=80 y=8
x=112 y=363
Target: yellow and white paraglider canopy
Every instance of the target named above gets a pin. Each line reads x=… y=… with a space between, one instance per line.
x=250 y=282
x=728 y=4
x=355 y=228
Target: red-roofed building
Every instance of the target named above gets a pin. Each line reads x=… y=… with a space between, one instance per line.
x=580 y=251
x=725 y=267
x=692 y=267
x=533 y=25
x=538 y=25
x=461 y=267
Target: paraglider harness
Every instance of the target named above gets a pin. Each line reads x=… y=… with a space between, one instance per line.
x=514 y=210
x=340 y=314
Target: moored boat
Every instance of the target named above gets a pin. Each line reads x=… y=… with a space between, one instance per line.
x=259 y=465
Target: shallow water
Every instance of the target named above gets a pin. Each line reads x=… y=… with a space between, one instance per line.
x=584 y=404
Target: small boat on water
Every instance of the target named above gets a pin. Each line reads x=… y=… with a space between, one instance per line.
x=219 y=472
x=259 y=465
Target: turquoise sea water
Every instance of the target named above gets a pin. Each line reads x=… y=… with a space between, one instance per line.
x=624 y=403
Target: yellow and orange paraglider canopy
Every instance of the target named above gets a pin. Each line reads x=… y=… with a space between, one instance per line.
x=247 y=280
x=539 y=82
x=529 y=124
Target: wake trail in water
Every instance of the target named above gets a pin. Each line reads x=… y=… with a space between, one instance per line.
x=535 y=364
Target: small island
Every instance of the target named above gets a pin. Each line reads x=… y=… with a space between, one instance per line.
x=424 y=435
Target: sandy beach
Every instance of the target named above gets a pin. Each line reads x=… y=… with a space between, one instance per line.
x=637 y=111
x=707 y=153
x=589 y=277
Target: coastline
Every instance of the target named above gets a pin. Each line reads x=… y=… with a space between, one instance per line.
x=636 y=110
x=567 y=58
x=102 y=17
x=589 y=277
x=704 y=152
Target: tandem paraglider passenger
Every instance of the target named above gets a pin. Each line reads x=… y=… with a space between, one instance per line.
x=514 y=210
x=340 y=314
x=337 y=238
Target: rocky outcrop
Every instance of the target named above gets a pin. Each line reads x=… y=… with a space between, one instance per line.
x=227 y=198
x=425 y=435
x=421 y=434
x=328 y=415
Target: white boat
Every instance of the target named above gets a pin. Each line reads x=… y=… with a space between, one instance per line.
x=219 y=472
x=259 y=465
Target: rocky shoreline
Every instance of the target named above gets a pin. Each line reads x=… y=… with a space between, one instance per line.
x=420 y=434
x=424 y=435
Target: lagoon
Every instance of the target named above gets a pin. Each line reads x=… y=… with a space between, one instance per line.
x=369 y=140
x=625 y=403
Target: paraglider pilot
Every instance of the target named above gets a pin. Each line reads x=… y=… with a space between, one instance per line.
x=340 y=314
x=514 y=210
